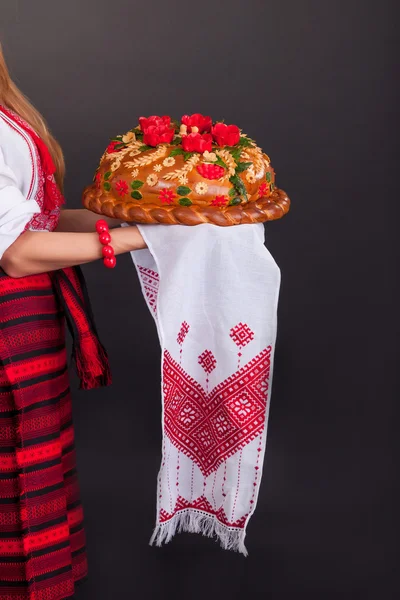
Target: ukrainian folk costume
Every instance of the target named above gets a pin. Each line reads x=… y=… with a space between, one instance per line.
x=42 y=540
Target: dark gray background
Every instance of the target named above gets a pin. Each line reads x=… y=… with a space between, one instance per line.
x=314 y=83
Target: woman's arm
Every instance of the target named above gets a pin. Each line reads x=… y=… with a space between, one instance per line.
x=82 y=220
x=40 y=251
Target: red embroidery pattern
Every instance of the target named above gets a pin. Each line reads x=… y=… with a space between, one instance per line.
x=256 y=471
x=224 y=481
x=238 y=483
x=207 y=361
x=45 y=220
x=241 y=335
x=201 y=505
x=211 y=427
x=184 y=330
x=150 y=282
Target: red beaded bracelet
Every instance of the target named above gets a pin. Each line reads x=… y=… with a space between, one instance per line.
x=109 y=259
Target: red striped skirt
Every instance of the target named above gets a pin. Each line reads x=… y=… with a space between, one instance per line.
x=42 y=540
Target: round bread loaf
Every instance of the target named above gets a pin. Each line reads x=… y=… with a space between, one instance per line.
x=185 y=173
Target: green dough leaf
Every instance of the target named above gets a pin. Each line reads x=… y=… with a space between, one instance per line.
x=176 y=141
x=239 y=185
x=242 y=166
x=245 y=142
x=183 y=190
x=220 y=163
x=187 y=155
x=234 y=201
x=185 y=202
x=137 y=195
x=107 y=175
x=268 y=176
x=107 y=186
x=235 y=152
x=144 y=148
x=232 y=192
x=137 y=184
x=177 y=151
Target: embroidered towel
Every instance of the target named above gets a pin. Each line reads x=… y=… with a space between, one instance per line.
x=213 y=292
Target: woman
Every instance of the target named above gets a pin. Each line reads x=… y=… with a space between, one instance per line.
x=42 y=543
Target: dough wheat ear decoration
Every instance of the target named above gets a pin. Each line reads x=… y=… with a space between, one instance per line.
x=228 y=159
x=189 y=166
x=147 y=159
x=207 y=172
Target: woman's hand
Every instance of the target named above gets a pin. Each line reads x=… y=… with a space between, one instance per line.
x=82 y=220
x=41 y=251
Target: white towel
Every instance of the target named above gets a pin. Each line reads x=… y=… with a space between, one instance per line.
x=213 y=292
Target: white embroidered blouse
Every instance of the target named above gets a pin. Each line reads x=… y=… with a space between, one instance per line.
x=21 y=185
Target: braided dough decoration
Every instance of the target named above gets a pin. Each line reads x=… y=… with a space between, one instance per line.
x=265 y=209
x=231 y=185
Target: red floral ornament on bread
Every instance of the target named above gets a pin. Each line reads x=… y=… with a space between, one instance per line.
x=263 y=190
x=194 y=142
x=111 y=147
x=226 y=135
x=121 y=187
x=167 y=196
x=210 y=171
x=157 y=130
x=158 y=135
x=154 y=121
x=197 y=120
x=219 y=201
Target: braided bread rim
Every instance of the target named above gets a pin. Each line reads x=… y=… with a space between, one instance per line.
x=264 y=209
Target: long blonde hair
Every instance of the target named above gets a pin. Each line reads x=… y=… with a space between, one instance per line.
x=12 y=98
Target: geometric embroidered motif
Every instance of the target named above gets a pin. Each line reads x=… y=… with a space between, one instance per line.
x=203 y=506
x=184 y=330
x=210 y=427
x=241 y=335
x=150 y=282
x=207 y=361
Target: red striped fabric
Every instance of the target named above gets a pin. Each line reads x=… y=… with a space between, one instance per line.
x=42 y=540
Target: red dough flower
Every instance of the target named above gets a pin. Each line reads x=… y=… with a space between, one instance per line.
x=197 y=120
x=98 y=180
x=154 y=121
x=209 y=171
x=167 y=196
x=219 y=201
x=111 y=147
x=157 y=130
x=194 y=142
x=121 y=187
x=226 y=135
x=263 y=190
x=158 y=135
